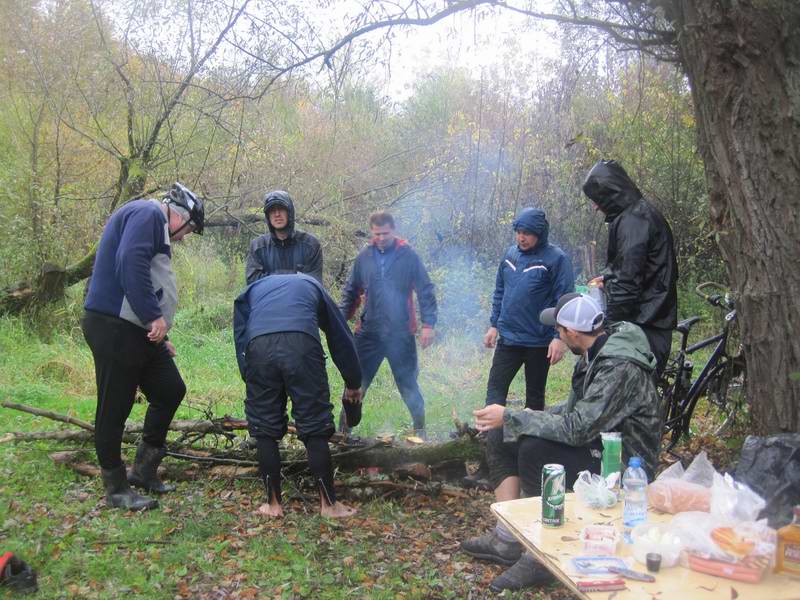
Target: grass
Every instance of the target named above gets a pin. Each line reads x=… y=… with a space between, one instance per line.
x=205 y=542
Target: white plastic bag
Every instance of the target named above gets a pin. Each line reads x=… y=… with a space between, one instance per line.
x=596 y=491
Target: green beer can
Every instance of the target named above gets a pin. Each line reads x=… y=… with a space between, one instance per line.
x=554 y=488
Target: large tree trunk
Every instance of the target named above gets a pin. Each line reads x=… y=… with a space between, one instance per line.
x=743 y=62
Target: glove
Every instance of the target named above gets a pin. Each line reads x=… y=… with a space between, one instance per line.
x=15 y=574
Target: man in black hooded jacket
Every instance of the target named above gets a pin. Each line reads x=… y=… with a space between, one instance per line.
x=283 y=249
x=641 y=271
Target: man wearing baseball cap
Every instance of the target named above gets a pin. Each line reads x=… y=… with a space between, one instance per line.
x=612 y=390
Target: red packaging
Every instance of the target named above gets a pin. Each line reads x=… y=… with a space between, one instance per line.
x=749 y=570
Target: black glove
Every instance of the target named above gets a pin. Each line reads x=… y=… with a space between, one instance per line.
x=15 y=574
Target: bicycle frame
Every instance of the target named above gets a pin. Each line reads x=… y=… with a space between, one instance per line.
x=681 y=402
x=698 y=385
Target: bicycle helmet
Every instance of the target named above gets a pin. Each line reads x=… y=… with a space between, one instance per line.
x=181 y=196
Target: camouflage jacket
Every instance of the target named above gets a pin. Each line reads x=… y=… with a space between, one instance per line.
x=613 y=392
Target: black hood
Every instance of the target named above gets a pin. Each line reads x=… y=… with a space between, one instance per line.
x=609 y=186
x=279 y=198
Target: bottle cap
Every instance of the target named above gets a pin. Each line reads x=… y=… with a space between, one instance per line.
x=635 y=461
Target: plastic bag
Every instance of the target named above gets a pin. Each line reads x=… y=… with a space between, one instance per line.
x=728 y=541
x=677 y=490
x=596 y=491
x=734 y=501
x=711 y=536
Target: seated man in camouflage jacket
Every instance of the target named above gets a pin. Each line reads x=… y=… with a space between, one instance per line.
x=612 y=390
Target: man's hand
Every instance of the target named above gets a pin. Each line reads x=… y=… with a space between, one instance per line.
x=556 y=350
x=158 y=329
x=353 y=396
x=597 y=281
x=170 y=348
x=490 y=339
x=490 y=417
x=426 y=338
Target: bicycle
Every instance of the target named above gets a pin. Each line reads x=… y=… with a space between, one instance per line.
x=721 y=380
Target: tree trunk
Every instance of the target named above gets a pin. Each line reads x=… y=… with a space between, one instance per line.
x=743 y=62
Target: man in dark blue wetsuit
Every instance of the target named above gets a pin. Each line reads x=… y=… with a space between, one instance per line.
x=276 y=331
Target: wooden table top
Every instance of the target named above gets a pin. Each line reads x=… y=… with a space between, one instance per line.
x=554 y=547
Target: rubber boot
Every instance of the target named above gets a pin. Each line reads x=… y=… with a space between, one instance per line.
x=119 y=493
x=525 y=573
x=144 y=473
x=491 y=548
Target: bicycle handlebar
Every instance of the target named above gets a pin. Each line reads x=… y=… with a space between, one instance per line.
x=720 y=300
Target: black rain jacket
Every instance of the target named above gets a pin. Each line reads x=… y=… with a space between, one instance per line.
x=298 y=253
x=641 y=269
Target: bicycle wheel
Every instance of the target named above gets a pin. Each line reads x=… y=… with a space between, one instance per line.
x=724 y=400
x=672 y=388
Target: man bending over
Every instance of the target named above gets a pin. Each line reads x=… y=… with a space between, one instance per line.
x=276 y=325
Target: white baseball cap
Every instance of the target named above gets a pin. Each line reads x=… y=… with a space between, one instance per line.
x=578 y=312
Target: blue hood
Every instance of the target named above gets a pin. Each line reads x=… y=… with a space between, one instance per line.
x=533 y=220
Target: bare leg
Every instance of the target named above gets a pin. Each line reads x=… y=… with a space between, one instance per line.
x=507 y=490
x=337 y=510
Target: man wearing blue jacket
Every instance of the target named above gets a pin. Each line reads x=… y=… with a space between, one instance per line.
x=276 y=323
x=385 y=276
x=532 y=276
x=129 y=308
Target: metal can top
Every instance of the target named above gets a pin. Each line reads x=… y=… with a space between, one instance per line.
x=554 y=467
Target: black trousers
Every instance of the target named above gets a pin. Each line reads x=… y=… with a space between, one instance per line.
x=506 y=363
x=287 y=365
x=124 y=360
x=526 y=457
x=660 y=344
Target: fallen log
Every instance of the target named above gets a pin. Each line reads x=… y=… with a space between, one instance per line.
x=464 y=448
x=65 y=435
x=71 y=460
x=444 y=460
x=224 y=424
x=49 y=415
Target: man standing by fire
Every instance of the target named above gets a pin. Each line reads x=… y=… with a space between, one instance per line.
x=384 y=277
x=276 y=323
x=532 y=276
x=283 y=249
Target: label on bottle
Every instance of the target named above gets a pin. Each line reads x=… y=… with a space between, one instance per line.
x=791 y=557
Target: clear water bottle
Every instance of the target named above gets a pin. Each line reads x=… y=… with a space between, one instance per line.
x=634 y=482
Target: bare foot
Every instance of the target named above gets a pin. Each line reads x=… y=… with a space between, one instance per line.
x=337 y=510
x=270 y=510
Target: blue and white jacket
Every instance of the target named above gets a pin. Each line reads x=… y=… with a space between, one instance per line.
x=527 y=283
x=132 y=276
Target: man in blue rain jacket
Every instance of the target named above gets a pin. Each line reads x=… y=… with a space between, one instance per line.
x=532 y=276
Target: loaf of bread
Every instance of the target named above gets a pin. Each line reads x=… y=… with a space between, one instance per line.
x=676 y=495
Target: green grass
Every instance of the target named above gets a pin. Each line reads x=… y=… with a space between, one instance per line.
x=205 y=542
